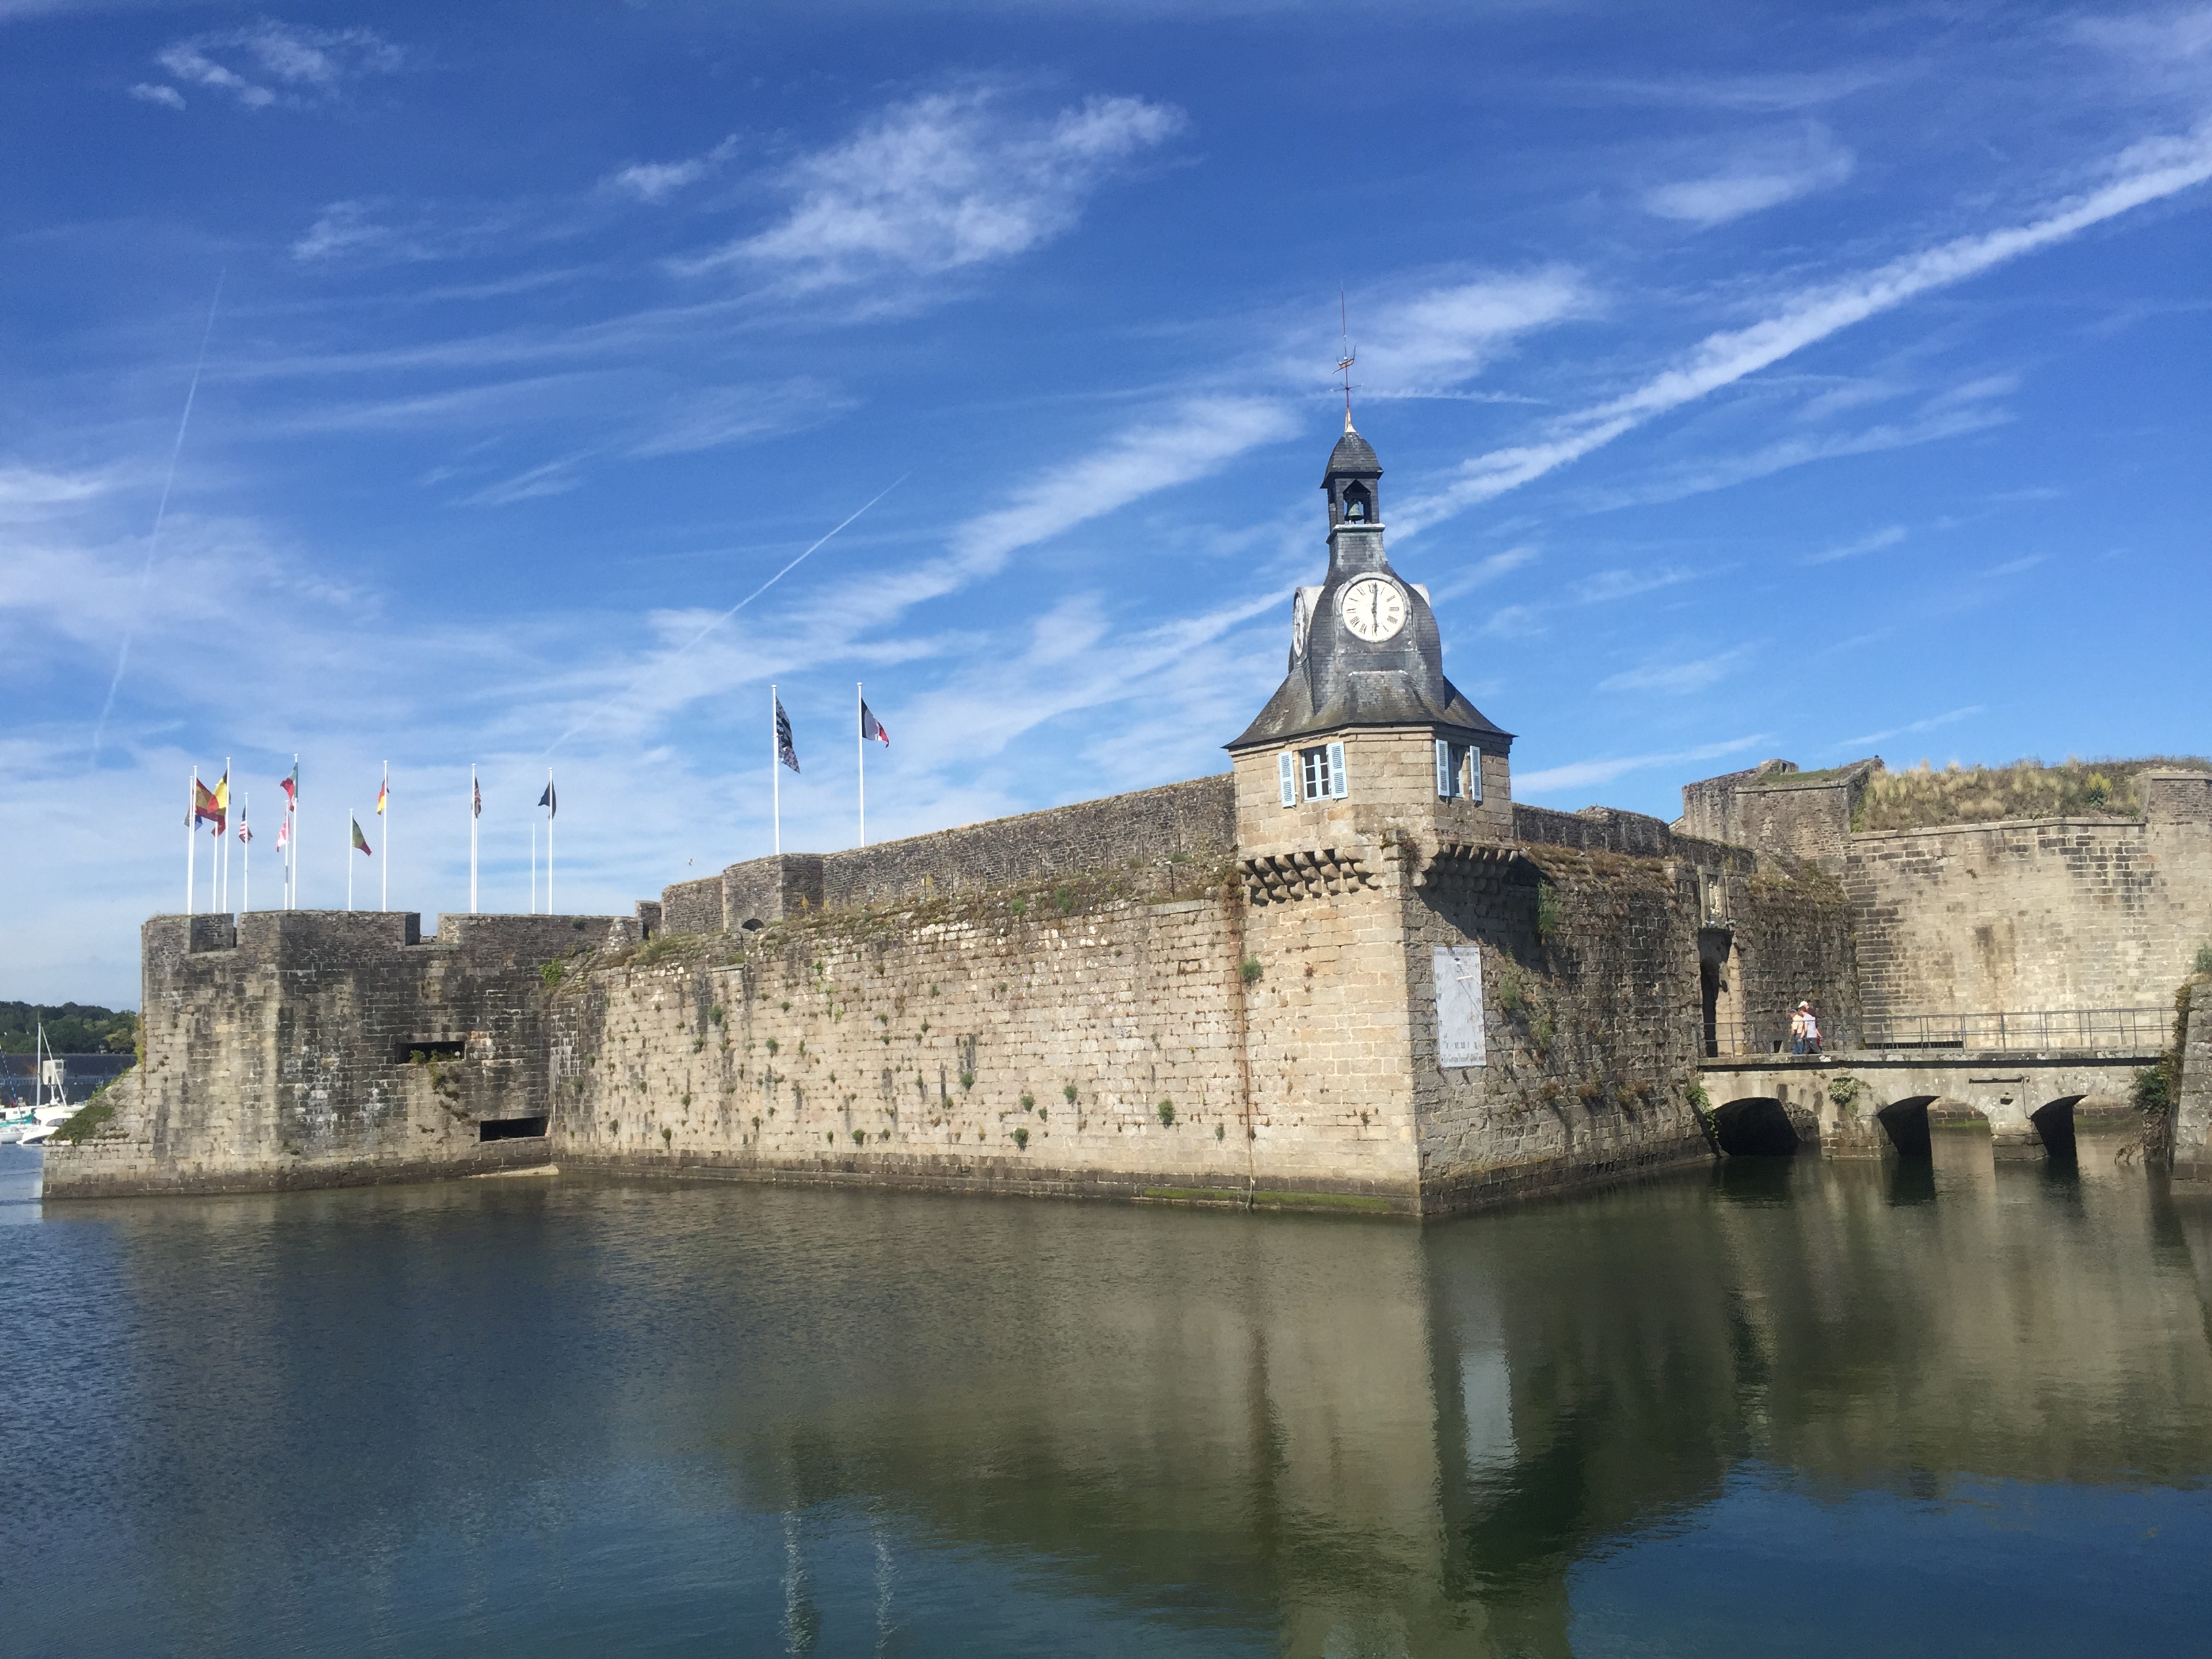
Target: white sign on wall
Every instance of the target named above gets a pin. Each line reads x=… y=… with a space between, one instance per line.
x=1458 y=1005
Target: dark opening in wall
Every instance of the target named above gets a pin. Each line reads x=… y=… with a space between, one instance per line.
x=510 y=1128
x=1756 y=1128
x=417 y=1051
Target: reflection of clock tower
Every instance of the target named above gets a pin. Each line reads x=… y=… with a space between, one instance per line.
x=1365 y=735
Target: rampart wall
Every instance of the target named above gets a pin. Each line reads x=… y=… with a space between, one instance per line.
x=281 y=1051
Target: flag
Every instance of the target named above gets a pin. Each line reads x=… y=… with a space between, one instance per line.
x=380 y=789
x=211 y=806
x=872 y=727
x=284 y=833
x=245 y=830
x=475 y=798
x=360 y=842
x=550 y=801
x=291 y=786
x=784 y=751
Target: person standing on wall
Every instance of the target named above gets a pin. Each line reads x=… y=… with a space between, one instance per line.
x=1804 y=1031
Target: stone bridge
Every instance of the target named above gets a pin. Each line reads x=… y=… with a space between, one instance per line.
x=1871 y=1102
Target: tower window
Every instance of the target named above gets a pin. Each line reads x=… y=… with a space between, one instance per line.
x=1459 y=772
x=1321 y=772
x=1358 y=505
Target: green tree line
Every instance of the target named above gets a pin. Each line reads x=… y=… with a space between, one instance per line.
x=72 y=1028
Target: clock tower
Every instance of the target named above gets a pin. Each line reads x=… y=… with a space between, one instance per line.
x=1365 y=735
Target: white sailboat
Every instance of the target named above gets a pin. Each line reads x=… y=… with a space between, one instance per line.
x=50 y=1107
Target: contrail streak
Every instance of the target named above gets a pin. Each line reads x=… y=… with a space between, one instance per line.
x=586 y=723
x=153 y=541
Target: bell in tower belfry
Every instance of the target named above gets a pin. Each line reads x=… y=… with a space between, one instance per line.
x=1364 y=728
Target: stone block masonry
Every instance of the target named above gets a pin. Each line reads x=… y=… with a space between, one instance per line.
x=318 y=1048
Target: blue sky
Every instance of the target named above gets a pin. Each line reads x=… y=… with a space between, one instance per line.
x=1751 y=379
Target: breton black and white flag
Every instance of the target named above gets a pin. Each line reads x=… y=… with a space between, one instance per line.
x=872 y=727
x=784 y=751
x=548 y=800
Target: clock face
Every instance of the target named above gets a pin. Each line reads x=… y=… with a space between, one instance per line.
x=1373 y=608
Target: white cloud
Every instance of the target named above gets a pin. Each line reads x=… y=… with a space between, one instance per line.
x=943 y=182
x=1205 y=432
x=272 y=62
x=1873 y=542
x=30 y=492
x=656 y=181
x=1581 y=775
x=1949 y=717
x=1765 y=175
x=1674 y=678
x=2146 y=172
x=1432 y=340
x=1481 y=574
x=341 y=227
x=1608 y=585
x=168 y=96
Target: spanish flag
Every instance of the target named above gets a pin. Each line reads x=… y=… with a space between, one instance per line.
x=211 y=806
x=360 y=840
x=382 y=789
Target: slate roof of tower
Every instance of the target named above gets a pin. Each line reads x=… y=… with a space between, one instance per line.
x=1352 y=453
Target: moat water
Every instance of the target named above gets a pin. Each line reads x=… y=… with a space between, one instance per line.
x=1788 y=1408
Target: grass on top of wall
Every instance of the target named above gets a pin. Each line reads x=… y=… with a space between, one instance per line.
x=1923 y=798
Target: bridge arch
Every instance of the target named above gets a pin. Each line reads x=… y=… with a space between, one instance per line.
x=2054 y=1127
x=1758 y=1126
x=1906 y=1122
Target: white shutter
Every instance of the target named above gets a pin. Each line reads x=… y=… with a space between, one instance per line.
x=1286 y=773
x=1445 y=778
x=1336 y=781
x=1474 y=776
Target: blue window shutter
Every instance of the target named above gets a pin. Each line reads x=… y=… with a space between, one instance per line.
x=1336 y=780
x=1474 y=776
x=1286 y=773
x=1445 y=781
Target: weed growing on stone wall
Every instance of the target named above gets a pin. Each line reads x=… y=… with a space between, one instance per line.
x=966 y=1079
x=1509 y=986
x=772 y=1045
x=1029 y=1101
x=1844 y=1090
x=614 y=1126
x=756 y=1123
x=1547 y=910
x=1220 y=1132
x=697 y=1043
x=1017 y=908
x=1249 y=971
x=924 y=1028
x=1045 y=1116
x=2203 y=959
x=1549 y=1090
x=1069 y=1092
x=860 y=1137
x=1591 y=1091
x=1166 y=1109
x=715 y=1013
x=666 y=1136
x=1700 y=1102
x=1021 y=1140
x=1062 y=900
x=1542 y=1031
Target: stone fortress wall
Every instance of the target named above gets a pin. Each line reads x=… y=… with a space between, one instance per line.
x=2026 y=915
x=312 y=1049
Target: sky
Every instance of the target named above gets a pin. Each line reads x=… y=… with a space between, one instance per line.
x=432 y=387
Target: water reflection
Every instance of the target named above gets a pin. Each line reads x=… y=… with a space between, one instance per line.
x=566 y=1418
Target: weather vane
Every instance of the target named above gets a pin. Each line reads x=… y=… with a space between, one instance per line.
x=1344 y=363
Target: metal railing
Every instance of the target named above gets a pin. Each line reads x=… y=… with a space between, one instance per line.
x=2133 y=1030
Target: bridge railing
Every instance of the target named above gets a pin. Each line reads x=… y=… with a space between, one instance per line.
x=2138 y=1030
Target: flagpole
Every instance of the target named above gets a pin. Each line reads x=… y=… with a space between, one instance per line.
x=225 y=834
x=860 y=749
x=246 y=858
x=775 y=770
x=533 y=866
x=352 y=818
x=552 y=811
x=191 y=838
x=384 y=811
x=473 y=838
x=296 y=830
